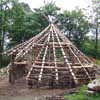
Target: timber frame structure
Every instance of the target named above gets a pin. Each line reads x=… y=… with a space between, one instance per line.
x=52 y=60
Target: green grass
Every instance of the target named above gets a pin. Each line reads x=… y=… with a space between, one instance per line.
x=81 y=95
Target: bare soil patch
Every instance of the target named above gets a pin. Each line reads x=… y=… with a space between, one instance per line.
x=20 y=91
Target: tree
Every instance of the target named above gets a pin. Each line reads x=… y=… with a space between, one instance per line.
x=27 y=23
x=96 y=10
x=17 y=19
x=75 y=25
x=49 y=9
x=3 y=25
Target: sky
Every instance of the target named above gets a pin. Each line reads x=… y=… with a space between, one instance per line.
x=63 y=4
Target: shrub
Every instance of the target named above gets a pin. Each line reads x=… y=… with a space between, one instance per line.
x=5 y=61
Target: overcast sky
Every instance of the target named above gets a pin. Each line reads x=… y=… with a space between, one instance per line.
x=63 y=4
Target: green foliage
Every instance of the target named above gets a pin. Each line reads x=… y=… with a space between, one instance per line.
x=89 y=48
x=75 y=25
x=5 y=61
x=49 y=9
x=96 y=24
x=34 y=23
x=97 y=62
x=3 y=26
x=26 y=23
x=81 y=95
x=22 y=23
x=16 y=27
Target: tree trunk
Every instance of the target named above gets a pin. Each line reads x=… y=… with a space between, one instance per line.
x=96 y=44
x=1 y=48
x=0 y=54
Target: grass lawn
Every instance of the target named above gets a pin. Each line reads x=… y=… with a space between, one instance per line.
x=81 y=95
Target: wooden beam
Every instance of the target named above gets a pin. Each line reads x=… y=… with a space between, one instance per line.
x=80 y=63
x=66 y=60
x=27 y=48
x=43 y=61
x=29 y=73
x=56 y=70
x=60 y=67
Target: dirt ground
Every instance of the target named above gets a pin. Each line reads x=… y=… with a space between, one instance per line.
x=20 y=91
